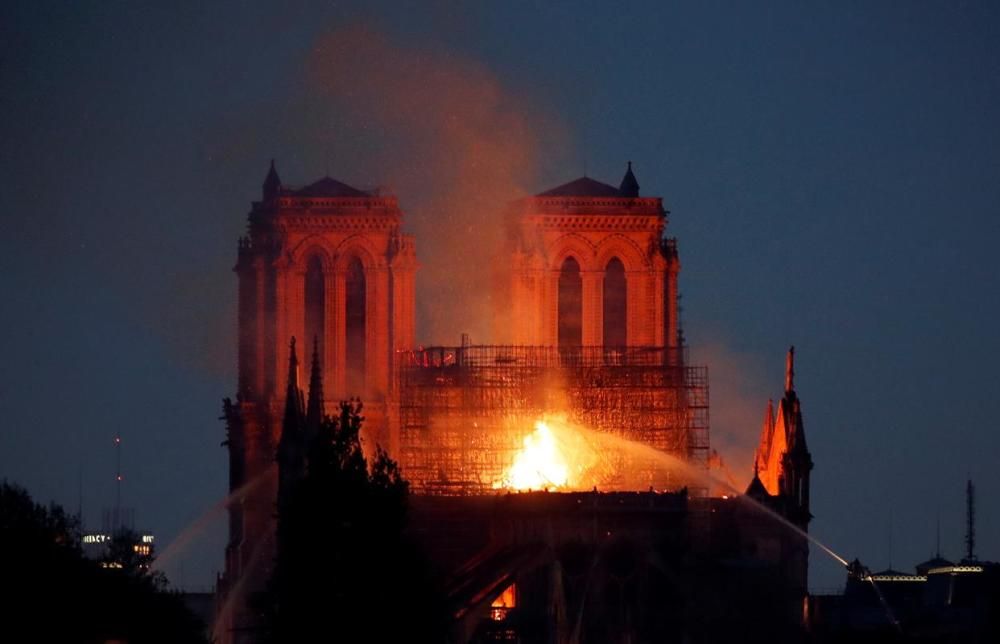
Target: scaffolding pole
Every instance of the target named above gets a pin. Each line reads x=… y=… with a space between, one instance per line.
x=464 y=411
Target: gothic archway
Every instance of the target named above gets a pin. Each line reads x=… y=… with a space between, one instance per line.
x=355 y=312
x=315 y=304
x=615 y=304
x=570 y=305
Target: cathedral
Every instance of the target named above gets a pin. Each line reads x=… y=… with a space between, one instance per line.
x=590 y=287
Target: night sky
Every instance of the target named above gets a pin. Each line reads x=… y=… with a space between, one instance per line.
x=832 y=172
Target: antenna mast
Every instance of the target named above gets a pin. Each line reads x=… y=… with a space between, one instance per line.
x=79 y=496
x=890 y=530
x=970 y=521
x=119 y=521
x=937 y=541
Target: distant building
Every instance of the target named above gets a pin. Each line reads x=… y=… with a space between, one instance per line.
x=118 y=544
x=941 y=602
x=121 y=549
x=946 y=603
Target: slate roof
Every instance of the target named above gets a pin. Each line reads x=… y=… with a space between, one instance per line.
x=327 y=187
x=629 y=186
x=583 y=187
x=936 y=562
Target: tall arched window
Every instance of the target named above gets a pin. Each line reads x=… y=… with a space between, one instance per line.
x=615 y=298
x=354 y=353
x=315 y=317
x=570 y=304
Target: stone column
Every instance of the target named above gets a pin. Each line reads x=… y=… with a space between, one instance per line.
x=659 y=307
x=282 y=334
x=672 y=270
x=593 y=308
x=377 y=332
x=550 y=308
x=331 y=346
x=339 y=335
x=263 y=326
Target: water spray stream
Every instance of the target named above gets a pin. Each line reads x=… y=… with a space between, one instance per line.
x=197 y=527
x=237 y=591
x=584 y=452
x=606 y=441
x=561 y=455
x=705 y=477
x=885 y=604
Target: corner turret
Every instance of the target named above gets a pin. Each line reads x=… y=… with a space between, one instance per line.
x=291 y=445
x=314 y=407
x=272 y=184
x=629 y=186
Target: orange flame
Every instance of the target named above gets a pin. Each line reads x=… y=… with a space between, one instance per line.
x=555 y=456
x=540 y=465
x=561 y=455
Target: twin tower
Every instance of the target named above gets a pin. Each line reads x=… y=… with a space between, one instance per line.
x=589 y=267
x=589 y=295
x=330 y=265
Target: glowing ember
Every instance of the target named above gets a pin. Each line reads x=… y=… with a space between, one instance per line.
x=540 y=465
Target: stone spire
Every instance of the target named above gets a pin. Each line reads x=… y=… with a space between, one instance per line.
x=272 y=183
x=796 y=463
x=291 y=429
x=763 y=452
x=797 y=441
x=314 y=407
x=291 y=444
x=629 y=186
x=790 y=371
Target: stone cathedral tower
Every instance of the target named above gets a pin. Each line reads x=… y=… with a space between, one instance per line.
x=327 y=264
x=591 y=268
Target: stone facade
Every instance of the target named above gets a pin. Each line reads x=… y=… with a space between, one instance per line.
x=327 y=264
x=588 y=225
x=591 y=274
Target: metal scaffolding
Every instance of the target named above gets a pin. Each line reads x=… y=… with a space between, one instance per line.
x=463 y=411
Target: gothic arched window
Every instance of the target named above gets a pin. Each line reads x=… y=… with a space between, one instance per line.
x=315 y=303
x=615 y=307
x=570 y=304
x=355 y=319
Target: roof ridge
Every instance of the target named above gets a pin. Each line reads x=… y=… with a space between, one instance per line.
x=328 y=187
x=582 y=187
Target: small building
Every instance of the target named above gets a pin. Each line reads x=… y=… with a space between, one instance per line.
x=941 y=601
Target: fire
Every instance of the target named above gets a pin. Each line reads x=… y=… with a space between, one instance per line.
x=555 y=456
x=561 y=455
x=540 y=465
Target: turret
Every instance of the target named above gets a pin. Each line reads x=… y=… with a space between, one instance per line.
x=796 y=463
x=314 y=407
x=272 y=184
x=291 y=445
x=790 y=371
x=629 y=187
x=782 y=464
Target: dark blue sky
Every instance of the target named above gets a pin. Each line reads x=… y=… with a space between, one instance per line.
x=833 y=173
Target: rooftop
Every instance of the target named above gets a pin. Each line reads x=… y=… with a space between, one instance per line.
x=583 y=187
x=327 y=187
x=587 y=187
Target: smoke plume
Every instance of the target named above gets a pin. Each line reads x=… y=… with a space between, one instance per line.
x=456 y=145
x=738 y=400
